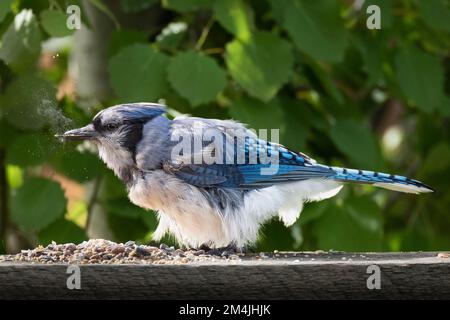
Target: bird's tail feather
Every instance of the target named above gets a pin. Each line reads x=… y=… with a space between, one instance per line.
x=379 y=179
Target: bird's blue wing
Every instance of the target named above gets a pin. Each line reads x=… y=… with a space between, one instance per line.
x=255 y=171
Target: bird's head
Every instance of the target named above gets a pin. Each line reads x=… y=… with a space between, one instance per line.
x=117 y=131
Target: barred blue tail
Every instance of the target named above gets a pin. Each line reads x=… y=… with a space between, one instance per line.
x=379 y=179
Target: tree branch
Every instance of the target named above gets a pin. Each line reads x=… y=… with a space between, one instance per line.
x=201 y=40
x=92 y=201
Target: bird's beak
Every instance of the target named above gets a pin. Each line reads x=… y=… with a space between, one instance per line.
x=85 y=133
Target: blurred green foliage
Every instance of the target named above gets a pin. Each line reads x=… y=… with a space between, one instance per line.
x=346 y=95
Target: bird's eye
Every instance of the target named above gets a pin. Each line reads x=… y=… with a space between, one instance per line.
x=111 y=126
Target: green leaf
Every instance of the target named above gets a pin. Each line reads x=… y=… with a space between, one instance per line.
x=124 y=208
x=14 y=176
x=37 y=203
x=277 y=9
x=186 y=5
x=196 y=77
x=80 y=166
x=54 y=23
x=356 y=227
x=30 y=149
x=150 y=220
x=7 y=132
x=444 y=105
x=385 y=9
x=132 y=6
x=312 y=211
x=124 y=38
x=138 y=73
x=235 y=16
x=415 y=239
x=256 y=114
x=327 y=82
x=356 y=142
x=297 y=120
x=21 y=43
x=436 y=13
x=274 y=236
x=371 y=53
x=78 y=212
x=112 y=187
x=368 y=214
x=125 y=229
x=437 y=160
x=317 y=29
x=420 y=77
x=5 y=7
x=74 y=112
x=260 y=65
x=172 y=36
x=29 y=103
x=61 y=231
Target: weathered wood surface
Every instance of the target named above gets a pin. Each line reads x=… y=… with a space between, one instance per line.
x=290 y=276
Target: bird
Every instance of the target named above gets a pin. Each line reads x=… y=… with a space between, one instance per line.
x=214 y=183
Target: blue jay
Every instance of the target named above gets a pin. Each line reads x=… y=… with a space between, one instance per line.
x=214 y=203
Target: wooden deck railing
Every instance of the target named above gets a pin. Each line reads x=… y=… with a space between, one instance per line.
x=288 y=276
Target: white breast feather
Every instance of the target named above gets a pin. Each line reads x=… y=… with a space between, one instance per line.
x=184 y=212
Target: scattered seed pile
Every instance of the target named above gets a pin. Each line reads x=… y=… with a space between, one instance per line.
x=108 y=252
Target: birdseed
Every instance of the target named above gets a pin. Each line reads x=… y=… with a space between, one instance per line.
x=108 y=252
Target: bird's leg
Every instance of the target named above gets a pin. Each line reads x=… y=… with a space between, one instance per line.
x=226 y=251
x=204 y=247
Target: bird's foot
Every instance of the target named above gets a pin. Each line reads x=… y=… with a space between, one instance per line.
x=223 y=251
